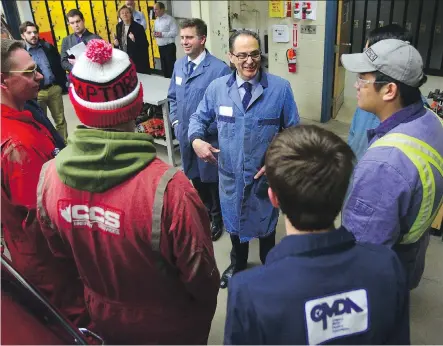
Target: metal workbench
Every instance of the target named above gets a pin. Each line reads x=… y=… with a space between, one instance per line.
x=155 y=92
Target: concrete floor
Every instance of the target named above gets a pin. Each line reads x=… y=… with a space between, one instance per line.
x=426 y=300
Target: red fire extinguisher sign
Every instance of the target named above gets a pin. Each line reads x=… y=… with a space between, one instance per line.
x=295 y=36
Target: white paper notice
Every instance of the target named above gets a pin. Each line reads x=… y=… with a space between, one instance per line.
x=77 y=50
x=280 y=33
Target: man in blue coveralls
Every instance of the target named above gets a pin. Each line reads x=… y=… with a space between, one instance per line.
x=318 y=285
x=192 y=75
x=397 y=186
x=363 y=120
x=249 y=107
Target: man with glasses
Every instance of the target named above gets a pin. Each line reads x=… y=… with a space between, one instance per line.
x=362 y=120
x=397 y=186
x=192 y=75
x=25 y=146
x=249 y=107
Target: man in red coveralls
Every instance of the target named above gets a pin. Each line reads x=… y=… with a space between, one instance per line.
x=25 y=146
x=135 y=227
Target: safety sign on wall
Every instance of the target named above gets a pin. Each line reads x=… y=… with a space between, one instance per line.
x=295 y=36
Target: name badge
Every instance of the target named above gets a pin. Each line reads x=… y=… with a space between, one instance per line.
x=178 y=80
x=226 y=111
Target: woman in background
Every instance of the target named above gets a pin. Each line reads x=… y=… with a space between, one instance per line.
x=131 y=38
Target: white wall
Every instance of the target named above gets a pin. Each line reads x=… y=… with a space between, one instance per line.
x=307 y=82
x=215 y=14
x=24 y=10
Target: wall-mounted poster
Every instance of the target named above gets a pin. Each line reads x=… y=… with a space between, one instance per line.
x=277 y=9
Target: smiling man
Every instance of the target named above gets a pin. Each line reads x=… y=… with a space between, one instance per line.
x=397 y=186
x=192 y=75
x=249 y=107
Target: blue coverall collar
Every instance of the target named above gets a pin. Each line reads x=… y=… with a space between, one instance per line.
x=311 y=244
x=263 y=79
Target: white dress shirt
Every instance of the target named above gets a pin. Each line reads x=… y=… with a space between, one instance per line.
x=198 y=59
x=168 y=27
x=240 y=81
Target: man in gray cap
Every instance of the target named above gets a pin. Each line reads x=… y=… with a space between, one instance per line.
x=397 y=186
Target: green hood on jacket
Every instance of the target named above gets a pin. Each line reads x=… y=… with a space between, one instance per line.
x=98 y=160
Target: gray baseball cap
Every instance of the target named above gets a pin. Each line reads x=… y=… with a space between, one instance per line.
x=394 y=58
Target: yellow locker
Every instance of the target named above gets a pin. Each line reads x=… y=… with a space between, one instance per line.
x=144 y=10
x=98 y=11
x=85 y=7
x=154 y=46
x=42 y=20
x=111 y=12
x=58 y=22
x=69 y=5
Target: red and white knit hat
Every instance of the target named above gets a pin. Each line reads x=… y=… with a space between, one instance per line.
x=104 y=89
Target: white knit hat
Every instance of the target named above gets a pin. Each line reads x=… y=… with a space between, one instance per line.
x=104 y=88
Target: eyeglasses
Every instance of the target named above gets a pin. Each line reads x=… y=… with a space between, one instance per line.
x=364 y=82
x=256 y=55
x=30 y=73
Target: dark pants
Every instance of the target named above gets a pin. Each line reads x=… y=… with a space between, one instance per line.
x=208 y=193
x=168 y=55
x=240 y=251
x=413 y=257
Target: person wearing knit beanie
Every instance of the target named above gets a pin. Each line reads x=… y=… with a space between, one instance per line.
x=104 y=89
x=134 y=226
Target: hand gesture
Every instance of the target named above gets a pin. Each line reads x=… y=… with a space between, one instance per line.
x=131 y=36
x=260 y=172
x=204 y=150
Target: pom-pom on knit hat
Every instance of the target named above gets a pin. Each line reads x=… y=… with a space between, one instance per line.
x=104 y=89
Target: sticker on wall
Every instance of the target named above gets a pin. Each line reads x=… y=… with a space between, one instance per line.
x=277 y=9
x=280 y=33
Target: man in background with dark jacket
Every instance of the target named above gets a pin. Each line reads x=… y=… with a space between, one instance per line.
x=76 y=21
x=53 y=84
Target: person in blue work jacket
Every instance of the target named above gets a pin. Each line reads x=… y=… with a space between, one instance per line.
x=318 y=286
x=192 y=75
x=397 y=186
x=249 y=108
x=363 y=120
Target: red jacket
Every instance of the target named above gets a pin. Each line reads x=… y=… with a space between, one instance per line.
x=109 y=236
x=26 y=145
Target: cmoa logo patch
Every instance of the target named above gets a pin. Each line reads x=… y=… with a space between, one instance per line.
x=96 y=217
x=335 y=316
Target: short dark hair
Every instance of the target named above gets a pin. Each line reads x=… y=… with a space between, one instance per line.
x=309 y=169
x=199 y=25
x=391 y=31
x=75 y=12
x=408 y=94
x=7 y=47
x=238 y=33
x=160 y=5
x=24 y=26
